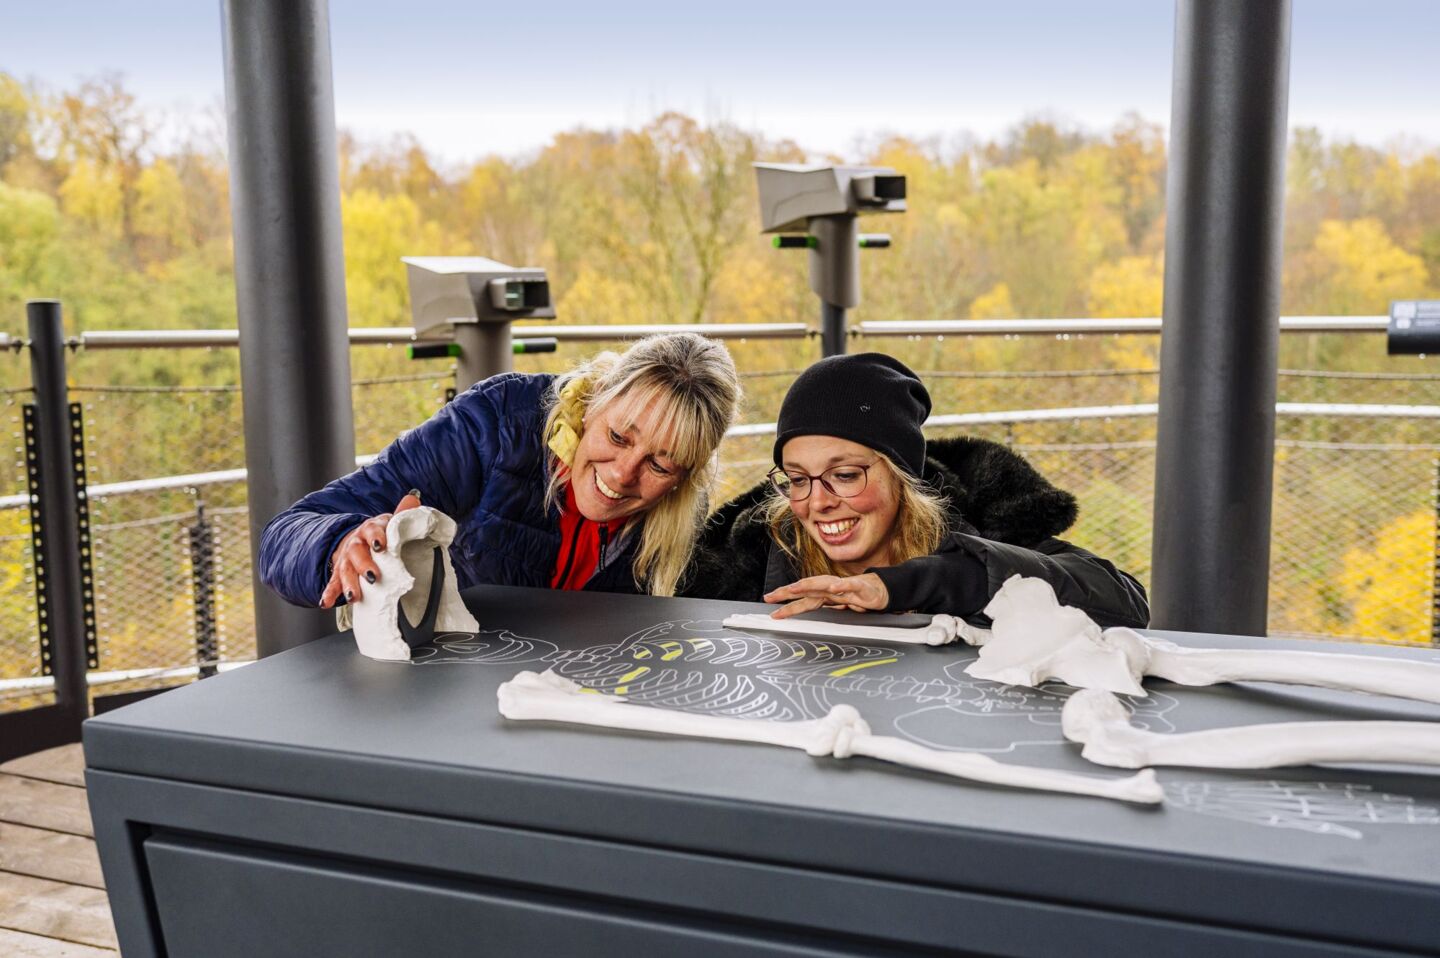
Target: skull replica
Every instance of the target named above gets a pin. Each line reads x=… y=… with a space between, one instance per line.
x=415 y=597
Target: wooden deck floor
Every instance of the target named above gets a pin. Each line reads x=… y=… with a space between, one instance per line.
x=52 y=898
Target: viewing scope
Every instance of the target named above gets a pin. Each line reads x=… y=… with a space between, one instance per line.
x=818 y=206
x=474 y=300
x=447 y=291
x=1414 y=327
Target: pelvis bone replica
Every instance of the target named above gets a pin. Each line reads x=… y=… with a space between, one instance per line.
x=415 y=596
x=1036 y=639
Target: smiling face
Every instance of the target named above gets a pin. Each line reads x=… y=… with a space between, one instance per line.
x=854 y=533
x=623 y=463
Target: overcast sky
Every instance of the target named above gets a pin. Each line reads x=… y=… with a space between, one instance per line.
x=470 y=78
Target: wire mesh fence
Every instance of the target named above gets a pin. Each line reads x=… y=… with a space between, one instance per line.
x=19 y=636
x=1354 y=525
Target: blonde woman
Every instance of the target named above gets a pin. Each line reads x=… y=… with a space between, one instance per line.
x=593 y=480
x=859 y=512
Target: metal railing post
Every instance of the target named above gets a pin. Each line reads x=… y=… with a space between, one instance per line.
x=1215 y=452
x=1435 y=569
x=51 y=465
x=202 y=580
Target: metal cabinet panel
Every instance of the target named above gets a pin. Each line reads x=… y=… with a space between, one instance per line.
x=222 y=901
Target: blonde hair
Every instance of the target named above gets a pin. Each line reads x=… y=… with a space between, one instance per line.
x=920 y=523
x=693 y=382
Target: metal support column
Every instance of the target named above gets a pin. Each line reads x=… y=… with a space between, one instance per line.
x=835 y=276
x=202 y=584
x=1435 y=560
x=485 y=351
x=55 y=520
x=289 y=273
x=1220 y=340
x=832 y=329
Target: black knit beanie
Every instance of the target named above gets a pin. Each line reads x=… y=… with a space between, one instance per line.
x=869 y=398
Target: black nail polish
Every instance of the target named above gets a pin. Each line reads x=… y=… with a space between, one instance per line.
x=349 y=596
x=377 y=546
x=370 y=576
x=414 y=492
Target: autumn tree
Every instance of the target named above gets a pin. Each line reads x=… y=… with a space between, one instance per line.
x=103 y=137
x=1353 y=268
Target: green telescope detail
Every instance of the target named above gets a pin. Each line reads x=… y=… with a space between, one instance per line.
x=544 y=344
x=541 y=344
x=801 y=241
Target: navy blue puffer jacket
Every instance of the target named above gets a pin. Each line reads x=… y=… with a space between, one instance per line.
x=481 y=460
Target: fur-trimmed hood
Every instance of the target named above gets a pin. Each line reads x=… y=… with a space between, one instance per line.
x=991 y=492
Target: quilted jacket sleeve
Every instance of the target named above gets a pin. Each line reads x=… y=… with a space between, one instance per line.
x=446 y=458
x=967 y=570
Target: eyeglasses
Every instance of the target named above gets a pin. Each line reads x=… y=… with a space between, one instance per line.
x=846 y=482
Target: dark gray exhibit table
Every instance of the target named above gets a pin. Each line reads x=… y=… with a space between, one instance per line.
x=320 y=803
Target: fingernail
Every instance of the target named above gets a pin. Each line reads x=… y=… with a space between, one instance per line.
x=414 y=492
x=350 y=596
x=377 y=545
x=370 y=576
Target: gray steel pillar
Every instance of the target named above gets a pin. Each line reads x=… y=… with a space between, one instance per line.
x=289 y=273
x=61 y=604
x=832 y=329
x=835 y=276
x=485 y=351
x=1218 y=355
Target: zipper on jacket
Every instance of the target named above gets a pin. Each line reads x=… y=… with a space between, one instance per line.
x=604 y=541
x=570 y=559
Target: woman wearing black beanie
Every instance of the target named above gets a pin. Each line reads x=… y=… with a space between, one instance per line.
x=861 y=512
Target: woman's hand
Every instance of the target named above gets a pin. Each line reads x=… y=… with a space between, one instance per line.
x=353 y=560
x=860 y=593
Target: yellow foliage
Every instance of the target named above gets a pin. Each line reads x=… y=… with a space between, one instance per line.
x=598 y=299
x=484 y=187
x=1389 y=583
x=160 y=205
x=995 y=304
x=751 y=290
x=379 y=230
x=29 y=224
x=95 y=196
x=1132 y=286
x=1359 y=269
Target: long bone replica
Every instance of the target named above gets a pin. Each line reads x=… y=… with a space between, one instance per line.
x=942 y=630
x=1098 y=720
x=1035 y=639
x=841 y=733
x=415 y=596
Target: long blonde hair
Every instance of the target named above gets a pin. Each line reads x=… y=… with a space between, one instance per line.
x=693 y=381
x=920 y=523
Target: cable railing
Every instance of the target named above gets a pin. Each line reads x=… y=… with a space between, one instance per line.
x=401 y=335
x=1076 y=413
x=1355 y=481
x=195 y=482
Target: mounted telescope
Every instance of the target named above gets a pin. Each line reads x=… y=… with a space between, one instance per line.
x=474 y=300
x=817 y=208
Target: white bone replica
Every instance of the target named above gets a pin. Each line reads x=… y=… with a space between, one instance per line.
x=1035 y=639
x=841 y=733
x=1098 y=720
x=417 y=546
x=942 y=630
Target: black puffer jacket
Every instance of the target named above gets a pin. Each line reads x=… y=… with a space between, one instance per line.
x=1004 y=519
